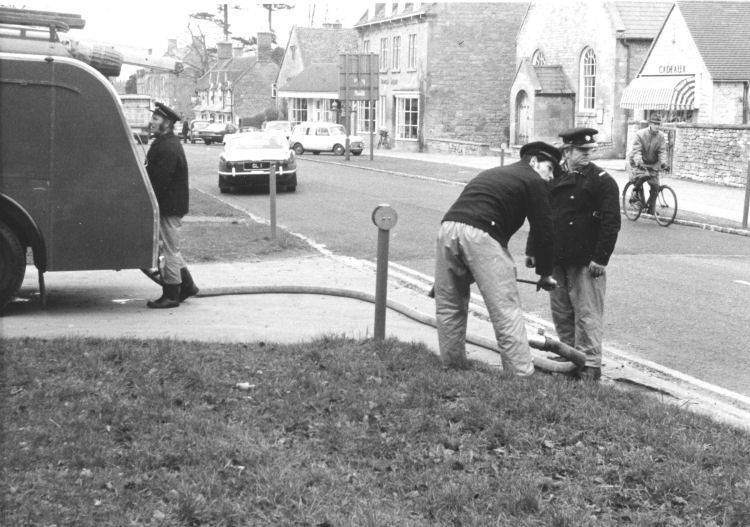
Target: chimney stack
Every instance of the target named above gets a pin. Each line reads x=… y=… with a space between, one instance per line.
x=264 y=46
x=223 y=50
x=237 y=51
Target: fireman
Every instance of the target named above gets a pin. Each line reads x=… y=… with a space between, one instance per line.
x=168 y=171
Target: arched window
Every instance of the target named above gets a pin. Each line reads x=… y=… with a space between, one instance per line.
x=588 y=80
x=537 y=59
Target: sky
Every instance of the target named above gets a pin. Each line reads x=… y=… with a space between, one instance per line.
x=147 y=25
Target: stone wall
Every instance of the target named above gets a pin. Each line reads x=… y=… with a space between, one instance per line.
x=716 y=154
x=709 y=153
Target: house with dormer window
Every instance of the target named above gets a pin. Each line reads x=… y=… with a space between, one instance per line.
x=307 y=86
x=238 y=86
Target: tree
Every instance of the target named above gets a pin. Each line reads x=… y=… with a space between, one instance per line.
x=274 y=7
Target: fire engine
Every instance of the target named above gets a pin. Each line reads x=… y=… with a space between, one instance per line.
x=74 y=193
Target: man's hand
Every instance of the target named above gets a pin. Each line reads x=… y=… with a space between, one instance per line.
x=596 y=269
x=547 y=283
x=530 y=262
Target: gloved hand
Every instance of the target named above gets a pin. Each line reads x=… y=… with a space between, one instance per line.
x=530 y=262
x=664 y=166
x=547 y=283
x=596 y=269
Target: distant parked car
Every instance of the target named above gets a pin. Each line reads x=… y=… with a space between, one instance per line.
x=246 y=161
x=244 y=129
x=195 y=127
x=284 y=127
x=215 y=132
x=324 y=137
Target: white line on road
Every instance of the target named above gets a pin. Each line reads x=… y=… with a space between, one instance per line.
x=741 y=282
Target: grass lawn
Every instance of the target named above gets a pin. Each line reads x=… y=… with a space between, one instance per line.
x=339 y=432
x=344 y=433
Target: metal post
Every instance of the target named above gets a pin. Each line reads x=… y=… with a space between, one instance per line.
x=272 y=193
x=747 y=197
x=502 y=156
x=384 y=217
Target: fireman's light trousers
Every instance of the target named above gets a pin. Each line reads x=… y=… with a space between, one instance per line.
x=578 y=310
x=466 y=254
x=169 y=234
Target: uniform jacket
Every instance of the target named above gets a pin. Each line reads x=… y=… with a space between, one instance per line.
x=586 y=216
x=168 y=171
x=499 y=200
x=648 y=148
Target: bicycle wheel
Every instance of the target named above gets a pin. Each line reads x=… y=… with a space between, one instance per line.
x=631 y=202
x=665 y=208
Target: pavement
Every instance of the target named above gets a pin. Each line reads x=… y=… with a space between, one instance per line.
x=295 y=299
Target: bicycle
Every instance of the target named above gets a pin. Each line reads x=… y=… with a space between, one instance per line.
x=634 y=201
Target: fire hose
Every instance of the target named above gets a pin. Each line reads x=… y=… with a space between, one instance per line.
x=575 y=359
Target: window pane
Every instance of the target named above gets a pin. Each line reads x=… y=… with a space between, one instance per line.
x=588 y=80
x=407 y=118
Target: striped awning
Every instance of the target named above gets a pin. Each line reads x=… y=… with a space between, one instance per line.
x=660 y=93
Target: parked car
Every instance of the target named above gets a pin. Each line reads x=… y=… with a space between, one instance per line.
x=244 y=129
x=215 y=132
x=324 y=137
x=246 y=161
x=284 y=127
x=195 y=127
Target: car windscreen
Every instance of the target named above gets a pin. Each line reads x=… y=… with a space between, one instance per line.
x=256 y=140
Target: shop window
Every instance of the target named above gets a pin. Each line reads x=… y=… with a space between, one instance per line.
x=407 y=118
x=587 y=84
x=297 y=110
x=365 y=114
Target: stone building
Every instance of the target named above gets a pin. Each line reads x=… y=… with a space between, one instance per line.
x=445 y=72
x=237 y=86
x=308 y=80
x=696 y=77
x=574 y=59
x=175 y=90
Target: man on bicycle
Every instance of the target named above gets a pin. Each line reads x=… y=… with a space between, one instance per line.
x=648 y=156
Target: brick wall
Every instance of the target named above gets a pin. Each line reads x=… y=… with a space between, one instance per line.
x=470 y=67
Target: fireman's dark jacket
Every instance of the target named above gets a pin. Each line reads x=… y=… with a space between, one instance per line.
x=586 y=216
x=498 y=201
x=168 y=171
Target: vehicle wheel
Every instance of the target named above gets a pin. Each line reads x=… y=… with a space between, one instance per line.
x=207 y=141
x=192 y=141
x=631 y=203
x=12 y=264
x=316 y=152
x=339 y=150
x=298 y=149
x=358 y=152
x=665 y=208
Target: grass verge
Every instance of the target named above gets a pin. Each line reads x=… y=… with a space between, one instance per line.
x=338 y=432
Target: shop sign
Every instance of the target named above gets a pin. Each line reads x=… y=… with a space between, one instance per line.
x=672 y=69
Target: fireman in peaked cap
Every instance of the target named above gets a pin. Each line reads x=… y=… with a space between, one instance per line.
x=586 y=216
x=168 y=171
x=472 y=246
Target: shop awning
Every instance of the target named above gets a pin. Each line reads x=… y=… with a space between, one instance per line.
x=659 y=93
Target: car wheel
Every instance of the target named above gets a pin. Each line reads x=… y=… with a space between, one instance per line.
x=316 y=152
x=12 y=264
x=192 y=141
x=356 y=152
x=298 y=149
x=207 y=141
x=339 y=150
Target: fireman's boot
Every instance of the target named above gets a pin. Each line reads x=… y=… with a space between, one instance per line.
x=170 y=297
x=188 y=287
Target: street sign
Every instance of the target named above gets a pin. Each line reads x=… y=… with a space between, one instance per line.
x=358 y=77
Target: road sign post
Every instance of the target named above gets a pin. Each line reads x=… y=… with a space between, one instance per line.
x=358 y=81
